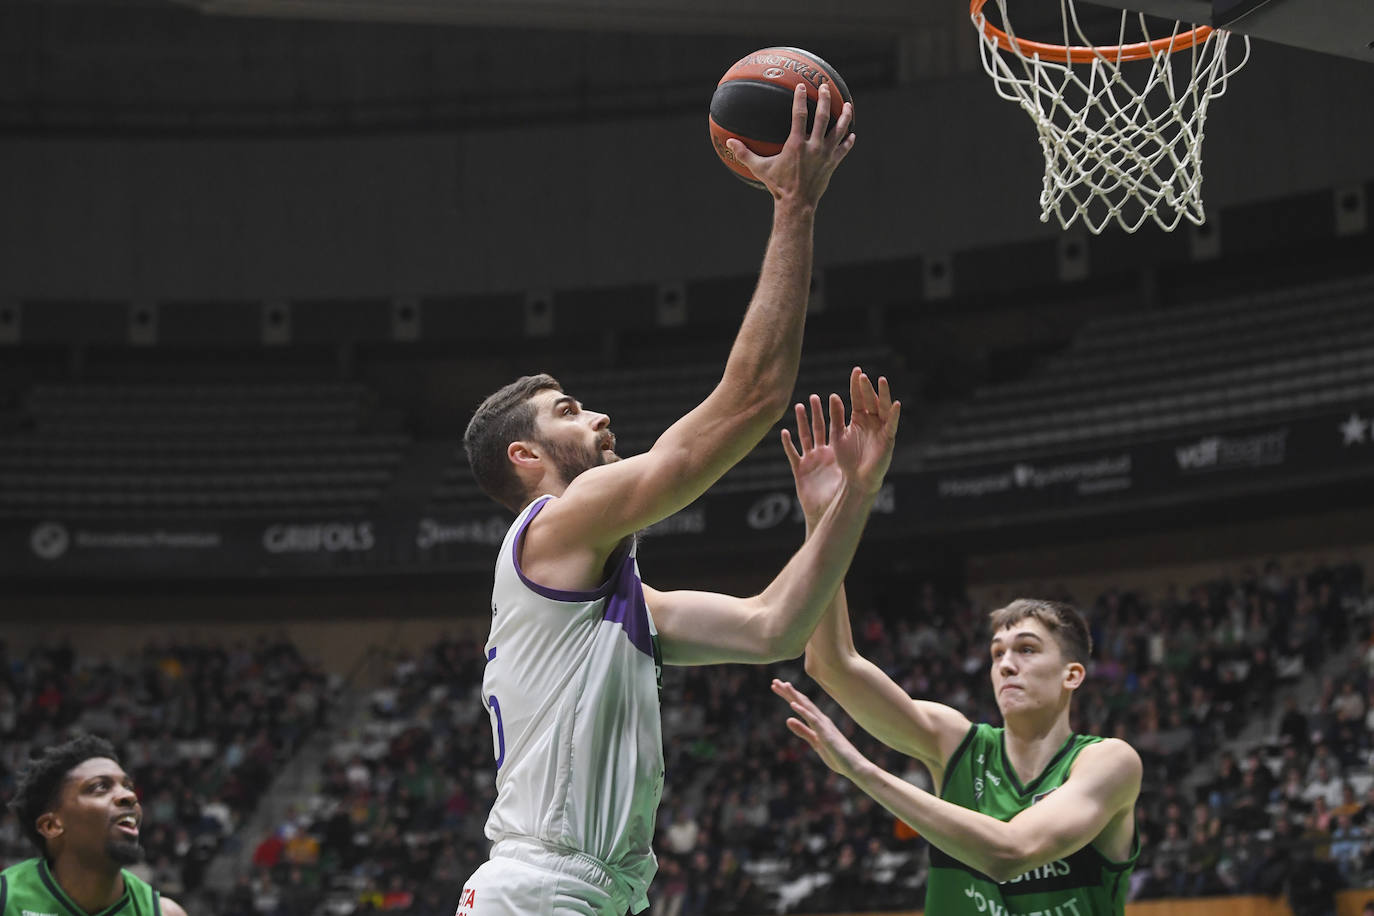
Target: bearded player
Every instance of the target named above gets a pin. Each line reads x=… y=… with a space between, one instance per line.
x=1030 y=817
x=78 y=807
x=573 y=667
x=577 y=640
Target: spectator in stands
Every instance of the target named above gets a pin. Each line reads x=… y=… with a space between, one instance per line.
x=1175 y=743
x=268 y=851
x=1347 y=847
x=1321 y=814
x=300 y=893
x=672 y=887
x=1261 y=681
x=1368 y=657
x=1258 y=628
x=1272 y=582
x=1157 y=883
x=1200 y=715
x=1246 y=808
x=1263 y=777
x=1199 y=877
x=1349 y=804
x=1365 y=816
x=1314 y=839
x=1323 y=759
x=1305 y=632
x=1347 y=723
x=1171 y=852
x=239 y=900
x=1368 y=717
x=1275 y=859
x=682 y=831
x=267 y=896
x=1324 y=784
x=1348 y=705
x=1291 y=788
x=1222 y=789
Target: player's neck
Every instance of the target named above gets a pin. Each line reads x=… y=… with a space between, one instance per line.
x=548 y=485
x=91 y=886
x=1032 y=741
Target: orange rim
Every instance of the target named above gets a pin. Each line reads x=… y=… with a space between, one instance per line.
x=1082 y=54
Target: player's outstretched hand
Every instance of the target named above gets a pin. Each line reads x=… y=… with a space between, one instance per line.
x=803 y=169
x=816 y=729
x=859 y=451
x=814 y=469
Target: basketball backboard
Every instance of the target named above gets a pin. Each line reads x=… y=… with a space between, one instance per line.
x=1341 y=27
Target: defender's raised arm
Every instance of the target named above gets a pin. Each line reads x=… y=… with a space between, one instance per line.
x=701 y=628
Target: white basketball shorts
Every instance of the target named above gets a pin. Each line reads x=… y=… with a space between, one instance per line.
x=525 y=879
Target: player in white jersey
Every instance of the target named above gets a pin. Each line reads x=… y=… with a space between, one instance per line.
x=572 y=685
x=571 y=680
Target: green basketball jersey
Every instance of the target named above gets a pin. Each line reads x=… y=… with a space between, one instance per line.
x=29 y=889
x=978 y=776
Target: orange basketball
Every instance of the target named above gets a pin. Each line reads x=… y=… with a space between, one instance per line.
x=753 y=102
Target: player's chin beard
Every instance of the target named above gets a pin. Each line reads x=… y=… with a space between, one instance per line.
x=570 y=460
x=124 y=852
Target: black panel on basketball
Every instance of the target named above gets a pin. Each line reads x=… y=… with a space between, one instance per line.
x=756 y=109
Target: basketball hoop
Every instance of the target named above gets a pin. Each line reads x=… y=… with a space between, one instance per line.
x=1116 y=149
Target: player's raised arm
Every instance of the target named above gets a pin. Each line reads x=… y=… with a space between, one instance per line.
x=608 y=503
x=922 y=729
x=701 y=628
x=1102 y=787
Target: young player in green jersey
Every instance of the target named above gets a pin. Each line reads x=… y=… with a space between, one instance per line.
x=78 y=807
x=1030 y=819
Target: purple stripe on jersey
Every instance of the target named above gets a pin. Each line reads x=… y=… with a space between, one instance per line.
x=555 y=593
x=491 y=654
x=625 y=598
x=627 y=608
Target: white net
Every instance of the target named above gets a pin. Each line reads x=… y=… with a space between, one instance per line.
x=1122 y=137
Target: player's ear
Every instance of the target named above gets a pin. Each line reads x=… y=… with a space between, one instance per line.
x=49 y=825
x=1074 y=674
x=523 y=454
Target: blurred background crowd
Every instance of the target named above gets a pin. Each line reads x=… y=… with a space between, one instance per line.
x=1247 y=698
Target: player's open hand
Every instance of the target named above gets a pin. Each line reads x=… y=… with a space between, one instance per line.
x=816 y=729
x=803 y=169
x=814 y=469
x=860 y=451
x=863 y=446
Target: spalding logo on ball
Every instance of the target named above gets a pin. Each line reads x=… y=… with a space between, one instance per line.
x=753 y=102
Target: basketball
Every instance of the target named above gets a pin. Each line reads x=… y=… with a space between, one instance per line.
x=753 y=102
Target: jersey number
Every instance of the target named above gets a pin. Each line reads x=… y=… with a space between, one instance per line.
x=498 y=733
x=495 y=706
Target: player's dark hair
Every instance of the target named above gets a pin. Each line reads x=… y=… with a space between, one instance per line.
x=504 y=417
x=1065 y=624
x=40 y=784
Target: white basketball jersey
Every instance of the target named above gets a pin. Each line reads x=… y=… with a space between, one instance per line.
x=572 y=683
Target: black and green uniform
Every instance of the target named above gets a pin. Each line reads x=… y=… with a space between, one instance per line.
x=979 y=776
x=29 y=889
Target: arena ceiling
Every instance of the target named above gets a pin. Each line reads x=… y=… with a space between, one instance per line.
x=868 y=17
x=283 y=67
x=266 y=67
